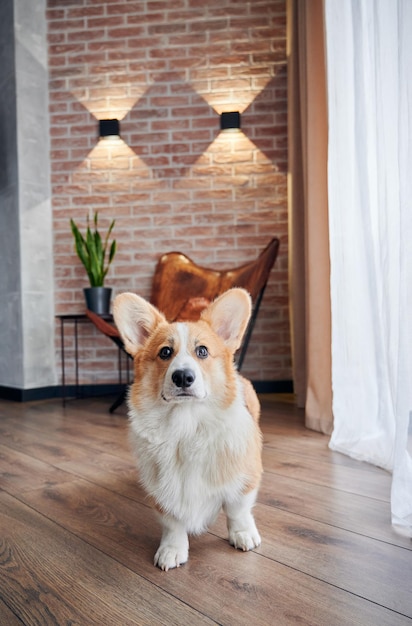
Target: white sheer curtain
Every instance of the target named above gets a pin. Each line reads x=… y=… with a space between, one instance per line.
x=369 y=77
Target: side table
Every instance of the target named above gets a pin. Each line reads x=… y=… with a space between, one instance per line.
x=76 y=319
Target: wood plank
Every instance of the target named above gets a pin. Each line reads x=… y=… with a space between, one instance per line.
x=66 y=458
x=110 y=472
x=105 y=434
x=374 y=570
x=7 y=617
x=374 y=484
x=364 y=516
x=20 y=472
x=291 y=435
x=58 y=445
x=218 y=578
x=47 y=576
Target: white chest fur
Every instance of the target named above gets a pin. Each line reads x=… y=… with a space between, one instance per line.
x=190 y=458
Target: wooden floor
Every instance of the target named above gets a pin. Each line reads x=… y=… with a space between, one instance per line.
x=77 y=538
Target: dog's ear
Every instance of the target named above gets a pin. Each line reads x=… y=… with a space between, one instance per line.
x=136 y=319
x=228 y=315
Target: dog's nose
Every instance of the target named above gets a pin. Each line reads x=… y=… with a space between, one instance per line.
x=183 y=378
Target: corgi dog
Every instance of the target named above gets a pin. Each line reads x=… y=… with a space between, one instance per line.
x=194 y=420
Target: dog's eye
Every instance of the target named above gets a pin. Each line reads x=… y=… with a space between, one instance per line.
x=202 y=352
x=165 y=353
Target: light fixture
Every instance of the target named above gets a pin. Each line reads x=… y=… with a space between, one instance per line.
x=109 y=128
x=230 y=121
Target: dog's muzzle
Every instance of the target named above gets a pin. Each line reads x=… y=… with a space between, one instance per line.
x=183 y=383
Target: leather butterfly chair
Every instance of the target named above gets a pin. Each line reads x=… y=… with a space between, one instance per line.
x=181 y=289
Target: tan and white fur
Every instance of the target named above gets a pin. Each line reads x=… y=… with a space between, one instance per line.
x=194 y=420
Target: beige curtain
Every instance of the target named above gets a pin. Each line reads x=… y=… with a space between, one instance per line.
x=309 y=266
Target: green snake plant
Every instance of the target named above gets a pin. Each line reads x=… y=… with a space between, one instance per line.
x=92 y=250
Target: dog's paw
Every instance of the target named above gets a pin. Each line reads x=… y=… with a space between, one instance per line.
x=168 y=556
x=244 y=539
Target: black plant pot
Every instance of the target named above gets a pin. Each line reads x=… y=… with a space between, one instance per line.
x=98 y=299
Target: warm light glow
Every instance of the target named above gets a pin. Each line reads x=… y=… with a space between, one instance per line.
x=232 y=143
x=110 y=106
x=112 y=139
x=112 y=153
x=234 y=100
x=228 y=149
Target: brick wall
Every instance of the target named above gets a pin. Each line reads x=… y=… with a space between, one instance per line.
x=167 y=69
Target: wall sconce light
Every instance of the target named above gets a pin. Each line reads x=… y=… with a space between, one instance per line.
x=230 y=121
x=109 y=128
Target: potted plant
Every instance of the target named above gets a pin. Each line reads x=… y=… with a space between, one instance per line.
x=92 y=251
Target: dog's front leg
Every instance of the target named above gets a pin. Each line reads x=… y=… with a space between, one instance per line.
x=243 y=533
x=174 y=545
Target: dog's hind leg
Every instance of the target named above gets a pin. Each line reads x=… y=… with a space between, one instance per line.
x=174 y=545
x=243 y=533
